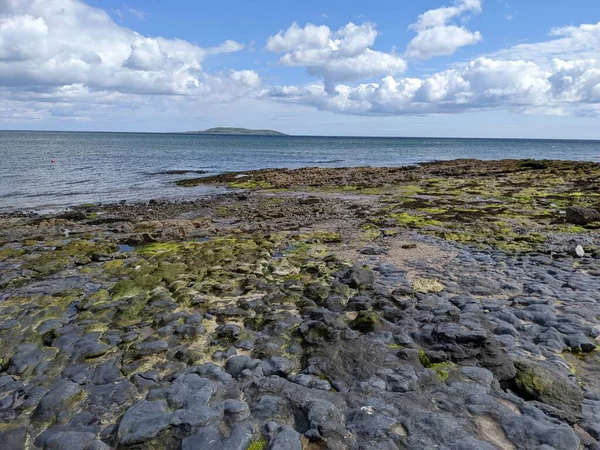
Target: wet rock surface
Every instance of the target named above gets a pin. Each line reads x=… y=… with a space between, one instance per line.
x=394 y=308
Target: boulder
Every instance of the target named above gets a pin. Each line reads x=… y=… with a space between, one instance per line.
x=143 y=422
x=579 y=215
x=548 y=385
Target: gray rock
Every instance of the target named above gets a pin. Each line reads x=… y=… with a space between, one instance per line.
x=266 y=407
x=196 y=416
x=97 y=445
x=286 y=439
x=479 y=375
x=59 y=396
x=144 y=421
x=550 y=386
x=69 y=440
x=277 y=366
x=151 y=348
x=211 y=438
x=236 y=410
x=14 y=439
x=237 y=364
x=190 y=389
x=581 y=216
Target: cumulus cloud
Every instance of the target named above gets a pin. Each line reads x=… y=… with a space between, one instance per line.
x=572 y=42
x=52 y=47
x=343 y=55
x=483 y=84
x=436 y=36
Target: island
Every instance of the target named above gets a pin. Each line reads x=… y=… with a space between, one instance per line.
x=238 y=131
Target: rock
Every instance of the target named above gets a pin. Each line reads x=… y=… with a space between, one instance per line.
x=277 y=366
x=236 y=410
x=68 y=440
x=61 y=395
x=267 y=406
x=237 y=364
x=143 y=422
x=579 y=343
x=151 y=348
x=190 y=389
x=548 y=385
x=336 y=303
x=578 y=252
x=357 y=277
x=14 y=439
x=26 y=359
x=366 y=321
x=195 y=416
x=286 y=439
x=97 y=445
x=372 y=251
x=579 y=215
x=211 y=438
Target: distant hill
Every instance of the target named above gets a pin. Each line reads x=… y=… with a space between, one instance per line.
x=239 y=131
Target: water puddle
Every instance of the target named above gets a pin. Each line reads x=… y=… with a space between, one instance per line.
x=126 y=248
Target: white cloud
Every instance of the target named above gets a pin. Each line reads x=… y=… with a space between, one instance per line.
x=344 y=55
x=572 y=42
x=437 y=37
x=483 y=84
x=49 y=47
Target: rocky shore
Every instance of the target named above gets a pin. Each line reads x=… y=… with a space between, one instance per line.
x=452 y=305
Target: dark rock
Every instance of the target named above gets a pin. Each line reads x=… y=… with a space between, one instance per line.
x=67 y=440
x=14 y=439
x=60 y=396
x=286 y=438
x=579 y=343
x=151 y=348
x=211 y=438
x=366 y=321
x=277 y=366
x=236 y=410
x=144 y=421
x=357 y=277
x=582 y=216
x=267 y=406
x=97 y=445
x=548 y=385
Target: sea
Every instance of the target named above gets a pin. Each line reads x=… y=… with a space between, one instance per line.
x=50 y=171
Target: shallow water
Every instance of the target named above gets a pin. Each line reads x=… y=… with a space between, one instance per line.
x=110 y=167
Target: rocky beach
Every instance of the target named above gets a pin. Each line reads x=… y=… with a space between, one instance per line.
x=449 y=305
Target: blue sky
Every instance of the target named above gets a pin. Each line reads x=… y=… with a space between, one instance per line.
x=496 y=68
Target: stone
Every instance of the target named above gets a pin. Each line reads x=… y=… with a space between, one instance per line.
x=578 y=252
x=286 y=439
x=144 y=421
x=236 y=410
x=190 y=389
x=357 y=277
x=211 y=438
x=151 y=348
x=97 y=445
x=61 y=394
x=579 y=215
x=548 y=385
x=277 y=366
x=69 y=440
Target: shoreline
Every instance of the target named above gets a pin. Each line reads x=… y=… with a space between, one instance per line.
x=443 y=304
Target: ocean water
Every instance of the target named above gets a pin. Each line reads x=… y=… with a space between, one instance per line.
x=111 y=167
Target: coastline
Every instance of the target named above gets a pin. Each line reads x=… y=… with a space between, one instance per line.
x=369 y=302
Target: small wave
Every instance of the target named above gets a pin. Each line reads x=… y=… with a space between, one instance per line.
x=53 y=194
x=79 y=182
x=325 y=161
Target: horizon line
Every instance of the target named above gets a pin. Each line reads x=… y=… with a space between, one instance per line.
x=283 y=136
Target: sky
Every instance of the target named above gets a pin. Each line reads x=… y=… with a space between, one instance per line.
x=455 y=68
